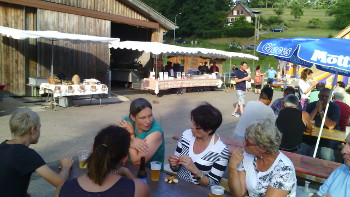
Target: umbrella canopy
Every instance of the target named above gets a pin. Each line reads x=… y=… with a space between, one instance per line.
x=173 y=50
x=328 y=54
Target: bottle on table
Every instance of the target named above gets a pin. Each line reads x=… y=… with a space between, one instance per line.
x=142 y=174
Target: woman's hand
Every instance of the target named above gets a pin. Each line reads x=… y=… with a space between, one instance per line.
x=127 y=125
x=235 y=159
x=140 y=145
x=174 y=160
x=187 y=162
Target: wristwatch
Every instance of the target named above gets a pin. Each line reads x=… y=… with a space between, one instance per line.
x=321 y=112
x=199 y=177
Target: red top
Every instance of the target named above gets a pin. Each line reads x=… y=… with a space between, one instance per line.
x=344 y=114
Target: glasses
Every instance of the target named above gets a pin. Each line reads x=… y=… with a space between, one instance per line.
x=247 y=143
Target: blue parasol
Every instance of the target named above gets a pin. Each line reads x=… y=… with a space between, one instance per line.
x=327 y=54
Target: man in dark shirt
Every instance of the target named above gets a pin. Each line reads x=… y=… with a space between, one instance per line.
x=18 y=161
x=200 y=68
x=317 y=112
x=214 y=68
x=240 y=79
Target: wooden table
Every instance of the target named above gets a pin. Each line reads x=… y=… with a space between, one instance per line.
x=302 y=163
x=329 y=134
x=158 y=188
x=156 y=85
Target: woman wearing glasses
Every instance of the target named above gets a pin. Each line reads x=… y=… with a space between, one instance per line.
x=201 y=157
x=262 y=170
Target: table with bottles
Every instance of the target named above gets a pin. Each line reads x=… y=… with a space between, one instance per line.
x=158 y=188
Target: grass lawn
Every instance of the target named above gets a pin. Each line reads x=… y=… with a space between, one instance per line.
x=296 y=28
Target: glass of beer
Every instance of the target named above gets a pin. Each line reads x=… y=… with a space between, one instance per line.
x=155 y=170
x=83 y=155
x=312 y=123
x=217 y=191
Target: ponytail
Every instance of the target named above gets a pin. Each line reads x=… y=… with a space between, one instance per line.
x=98 y=164
x=111 y=145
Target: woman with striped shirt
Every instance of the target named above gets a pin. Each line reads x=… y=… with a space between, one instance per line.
x=201 y=157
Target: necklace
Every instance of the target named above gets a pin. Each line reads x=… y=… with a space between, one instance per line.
x=114 y=171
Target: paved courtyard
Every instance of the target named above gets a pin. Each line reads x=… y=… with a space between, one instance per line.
x=67 y=130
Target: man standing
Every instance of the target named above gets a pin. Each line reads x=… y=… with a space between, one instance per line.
x=240 y=79
x=255 y=110
x=200 y=68
x=317 y=112
x=338 y=183
x=271 y=74
x=214 y=68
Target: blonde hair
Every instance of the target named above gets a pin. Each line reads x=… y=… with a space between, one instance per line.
x=265 y=134
x=22 y=121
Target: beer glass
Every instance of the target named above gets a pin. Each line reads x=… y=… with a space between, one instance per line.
x=83 y=155
x=155 y=170
x=312 y=123
x=217 y=191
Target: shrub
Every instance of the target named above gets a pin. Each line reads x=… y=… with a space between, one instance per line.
x=238 y=31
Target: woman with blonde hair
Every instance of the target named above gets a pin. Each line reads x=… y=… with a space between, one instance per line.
x=262 y=170
x=305 y=88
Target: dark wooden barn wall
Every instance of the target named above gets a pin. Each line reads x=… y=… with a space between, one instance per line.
x=107 y=6
x=88 y=60
x=16 y=62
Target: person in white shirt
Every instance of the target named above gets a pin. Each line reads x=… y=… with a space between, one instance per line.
x=255 y=110
x=262 y=170
x=305 y=88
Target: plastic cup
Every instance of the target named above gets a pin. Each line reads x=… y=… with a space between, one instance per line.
x=155 y=170
x=83 y=155
x=217 y=191
x=312 y=123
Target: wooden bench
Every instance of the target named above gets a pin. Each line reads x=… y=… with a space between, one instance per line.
x=306 y=167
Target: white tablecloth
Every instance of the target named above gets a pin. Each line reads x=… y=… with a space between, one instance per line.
x=156 y=85
x=72 y=90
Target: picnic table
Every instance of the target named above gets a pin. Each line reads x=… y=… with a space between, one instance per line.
x=329 y=134
x=158 y=188
x=302 y=163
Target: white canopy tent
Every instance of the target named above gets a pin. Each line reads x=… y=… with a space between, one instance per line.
x=53 y=35
x=157 y=48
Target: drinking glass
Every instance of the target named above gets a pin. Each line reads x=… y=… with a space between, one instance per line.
x=155 y=170
x=217 y=191
x=83 y=155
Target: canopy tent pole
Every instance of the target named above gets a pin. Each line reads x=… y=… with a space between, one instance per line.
x=51 y=73
x=325 y=113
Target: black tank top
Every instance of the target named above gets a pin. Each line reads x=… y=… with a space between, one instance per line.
x=291 y=125
x=123 y=188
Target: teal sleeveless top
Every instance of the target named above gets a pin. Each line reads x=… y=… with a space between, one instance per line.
x=159 y=154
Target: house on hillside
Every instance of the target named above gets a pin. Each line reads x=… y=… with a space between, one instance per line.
x=345 y=33
x=238 y=11
x=31 y=58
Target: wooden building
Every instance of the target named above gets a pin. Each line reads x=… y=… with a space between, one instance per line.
x=238 y=11
x=190 y=62
x=21 y=59
x=345 y=33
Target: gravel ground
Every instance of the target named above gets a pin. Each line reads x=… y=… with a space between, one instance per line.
x=66 y=130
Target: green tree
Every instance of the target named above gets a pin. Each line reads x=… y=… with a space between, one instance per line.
x=296 y=10
x=341 y=12
x=315 y=22
x=278 y=11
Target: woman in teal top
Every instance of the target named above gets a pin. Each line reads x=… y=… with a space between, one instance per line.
x=147 y=136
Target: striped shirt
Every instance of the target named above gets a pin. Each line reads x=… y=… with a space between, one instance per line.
x=212 y=161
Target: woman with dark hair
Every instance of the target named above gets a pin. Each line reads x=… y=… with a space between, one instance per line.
x=262 y=170
x=105 y=176
x=147 y=139
x=201 y=157
x=258 y=80
x=305 y=88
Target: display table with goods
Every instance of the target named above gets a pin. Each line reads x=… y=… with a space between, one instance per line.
x=157 y=84
x=65 y=91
